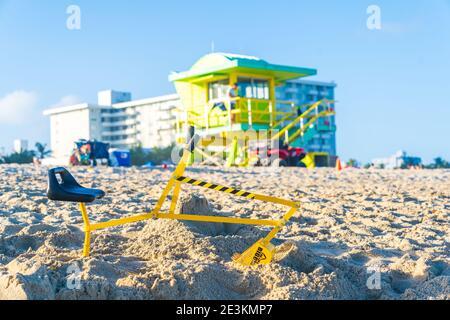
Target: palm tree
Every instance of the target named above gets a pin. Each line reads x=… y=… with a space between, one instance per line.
x=22 y=157
x=440 y=163
x=352 y=163
x=42 y=150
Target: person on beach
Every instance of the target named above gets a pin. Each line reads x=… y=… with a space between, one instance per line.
x=232 y=94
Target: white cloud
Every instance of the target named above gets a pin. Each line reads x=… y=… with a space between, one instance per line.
x=16 y=107
x=68 y=100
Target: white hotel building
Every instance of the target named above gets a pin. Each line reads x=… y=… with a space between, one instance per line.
x=115 y=119
x=124 y=123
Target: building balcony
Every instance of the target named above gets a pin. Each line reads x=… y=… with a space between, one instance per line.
x=129 y=131
x=167 y=118
x=325 y=128
x=291 y=90
x=119 y=114
x=128 y=122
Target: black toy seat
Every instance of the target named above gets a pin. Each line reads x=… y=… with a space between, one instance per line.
x=68 y=189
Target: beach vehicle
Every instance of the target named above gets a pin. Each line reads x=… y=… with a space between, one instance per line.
x=231 y=100
x=62 y=186
x=277 y=157
x=88 y=153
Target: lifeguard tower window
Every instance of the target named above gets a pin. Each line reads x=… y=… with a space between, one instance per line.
x=218 y=89
x=253 y=88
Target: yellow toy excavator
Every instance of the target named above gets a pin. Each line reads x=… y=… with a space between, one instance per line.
x=62 y=186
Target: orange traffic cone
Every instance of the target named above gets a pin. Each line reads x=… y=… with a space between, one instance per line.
x=338 y=164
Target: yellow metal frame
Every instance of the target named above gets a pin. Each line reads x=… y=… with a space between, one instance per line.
x=243 y=113
x=252 y=256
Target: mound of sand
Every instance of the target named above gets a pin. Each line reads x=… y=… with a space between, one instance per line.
x=360 y=235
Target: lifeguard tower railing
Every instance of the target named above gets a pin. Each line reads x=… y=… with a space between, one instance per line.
x=258 y=114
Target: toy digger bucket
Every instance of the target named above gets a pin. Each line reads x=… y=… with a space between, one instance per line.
x=259 y=253
x=263 y=252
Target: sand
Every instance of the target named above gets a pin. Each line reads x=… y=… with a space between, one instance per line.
x=361 y=234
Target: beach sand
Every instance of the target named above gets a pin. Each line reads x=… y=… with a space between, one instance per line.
x=360 y=234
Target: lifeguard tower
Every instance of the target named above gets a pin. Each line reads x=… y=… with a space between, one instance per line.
x=229 y=124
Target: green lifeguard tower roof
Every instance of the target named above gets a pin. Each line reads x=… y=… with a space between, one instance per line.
x=222 y=64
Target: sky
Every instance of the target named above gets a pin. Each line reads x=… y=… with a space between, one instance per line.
x=393 y=83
